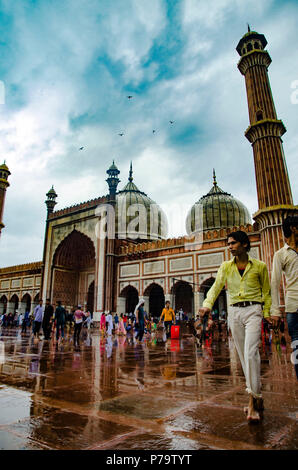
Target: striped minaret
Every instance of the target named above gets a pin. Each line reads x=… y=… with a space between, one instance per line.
x=275 y=200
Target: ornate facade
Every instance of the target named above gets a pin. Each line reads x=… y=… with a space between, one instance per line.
x=82 y=266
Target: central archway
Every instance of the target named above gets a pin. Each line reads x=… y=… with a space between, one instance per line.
x=73 y=261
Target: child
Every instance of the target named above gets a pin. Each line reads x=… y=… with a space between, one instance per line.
x=197 y=332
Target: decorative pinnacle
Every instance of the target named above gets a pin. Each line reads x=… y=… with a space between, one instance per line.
x=214 y=178
x=51 y=200
x=248 y=28
x=130 y=173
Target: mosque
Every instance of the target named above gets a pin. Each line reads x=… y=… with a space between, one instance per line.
x=81 y=266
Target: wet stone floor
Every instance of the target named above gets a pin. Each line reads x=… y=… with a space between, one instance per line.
x=114 y=394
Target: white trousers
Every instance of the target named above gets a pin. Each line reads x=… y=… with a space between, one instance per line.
x=246 y=326
x=110 y=328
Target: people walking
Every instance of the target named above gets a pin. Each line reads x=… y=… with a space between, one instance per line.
x=88 y=320
x=122 y=330
x=78 y=318
x=116 y=321
x=25 y=322
x=38 y=317
x=168 y=315
x=109 y=324
x=140 y=319
x=248 y=286
x=60 y=317
x=47 y=318
x=285 y=261
x=103 y=324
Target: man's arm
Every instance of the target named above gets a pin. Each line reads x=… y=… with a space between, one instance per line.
x=162 y=314
x=265 y=284
x=216 y=288
x=275 y=284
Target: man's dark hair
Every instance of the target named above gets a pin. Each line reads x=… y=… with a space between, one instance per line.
x=59 y=303
x=241 y=237
x=48 y=300
x=168 y=302
x=287 y=224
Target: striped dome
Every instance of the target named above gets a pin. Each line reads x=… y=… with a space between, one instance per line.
x=218 y=209
x=137 y=215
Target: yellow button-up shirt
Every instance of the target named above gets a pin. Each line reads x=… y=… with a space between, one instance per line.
x=253 y=285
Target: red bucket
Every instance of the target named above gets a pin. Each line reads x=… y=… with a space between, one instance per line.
x=175 y=331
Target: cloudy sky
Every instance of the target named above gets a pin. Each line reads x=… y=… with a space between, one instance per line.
x=67 y=69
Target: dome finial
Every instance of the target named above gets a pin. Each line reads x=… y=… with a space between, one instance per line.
x=248 y=28
x=130 y=173
x=214 y=178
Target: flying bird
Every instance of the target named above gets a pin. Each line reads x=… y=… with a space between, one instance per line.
x=129 y=97
x=81 y=148
x=171 y=122
x=121 y=134
x=153 y=131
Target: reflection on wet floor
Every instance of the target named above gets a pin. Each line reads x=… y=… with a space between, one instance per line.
x=111 y=393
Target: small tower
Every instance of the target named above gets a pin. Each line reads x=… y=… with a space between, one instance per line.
x=4 y=174
x=264 y=133
x=51 y=200
x=113 y=181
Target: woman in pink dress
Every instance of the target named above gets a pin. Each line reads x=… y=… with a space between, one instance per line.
x=122 y=330
x=103 y=324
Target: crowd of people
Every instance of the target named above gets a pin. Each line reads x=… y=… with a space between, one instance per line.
x=139 y=323
x=52 y=322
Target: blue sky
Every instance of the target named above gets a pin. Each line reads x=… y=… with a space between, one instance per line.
x=68 y=67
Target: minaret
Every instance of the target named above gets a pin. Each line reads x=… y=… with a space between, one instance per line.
x=264 y=133
x=4 y=174
x=113 y=182
x=50 y=202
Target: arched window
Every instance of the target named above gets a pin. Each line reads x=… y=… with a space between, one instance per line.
x=257 y=45
x=249 y=47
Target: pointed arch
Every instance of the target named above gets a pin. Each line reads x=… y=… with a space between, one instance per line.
x=156 y=299
x=73 y=259
x=131 y=298
x=182 y=293
x=221 y=301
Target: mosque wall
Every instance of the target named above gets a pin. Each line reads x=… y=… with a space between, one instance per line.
x=17 y=282
x=171 y=263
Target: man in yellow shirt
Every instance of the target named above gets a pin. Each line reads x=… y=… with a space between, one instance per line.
x=248 y=286
x=169 y=317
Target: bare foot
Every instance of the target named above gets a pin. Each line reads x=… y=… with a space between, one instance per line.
x=253 y=416
x=252 y=411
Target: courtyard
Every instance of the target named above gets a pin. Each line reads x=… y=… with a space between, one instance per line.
x=113 y=394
